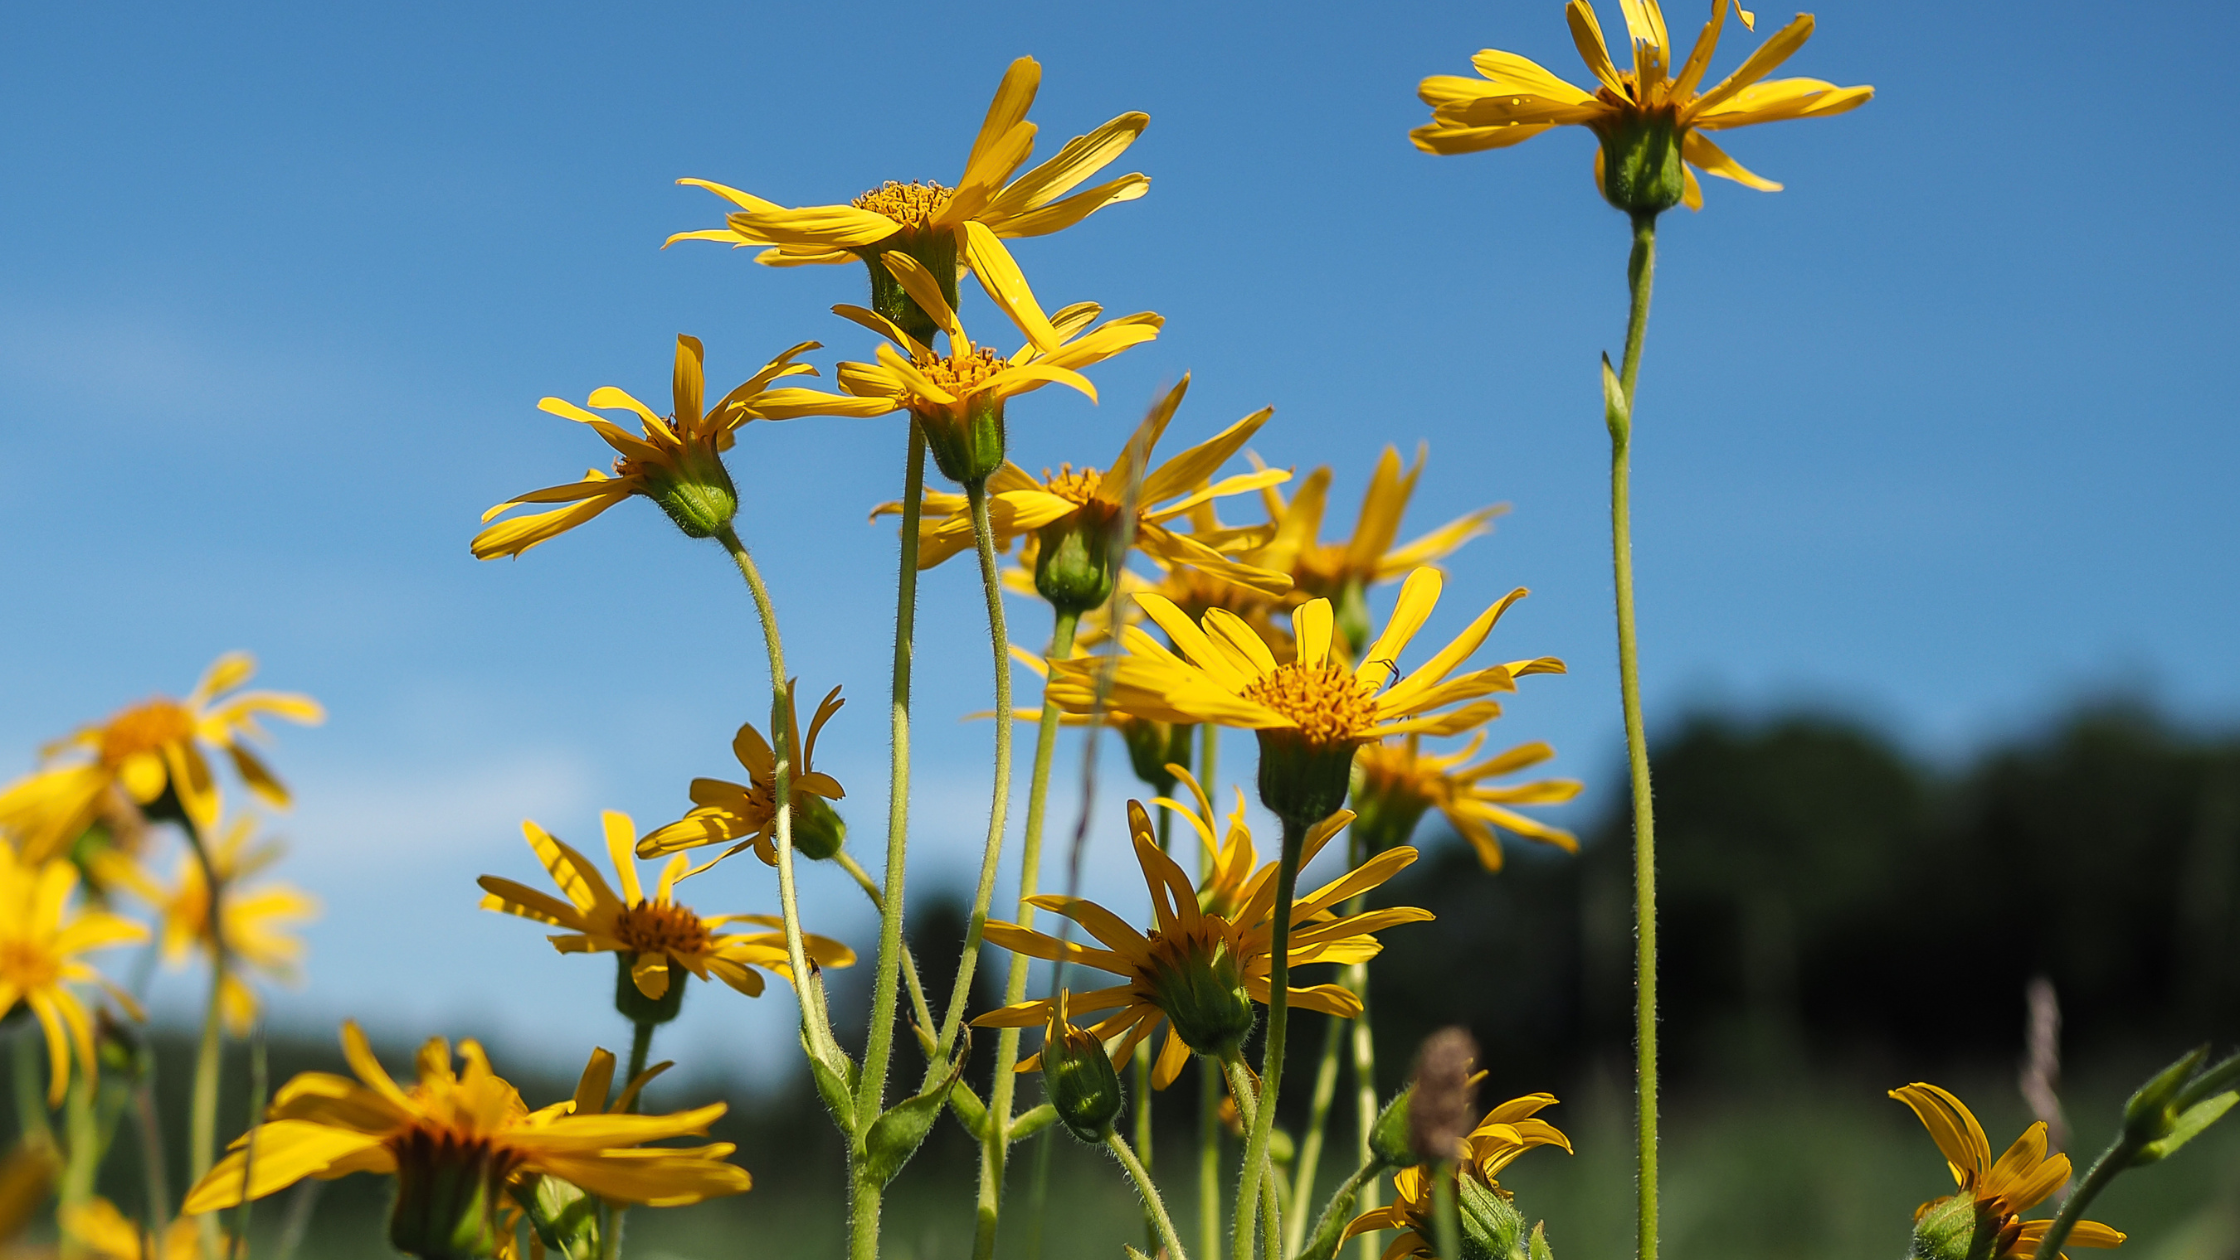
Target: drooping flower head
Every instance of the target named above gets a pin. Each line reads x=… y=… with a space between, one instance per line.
x=40 y=944
x=1508 y=1131
x=1200 y=972
x=928 y=220
x=153 y=753
x=1651 y=119
x=745 y=815
x=675 y=461
x=1076 y=516
x=1993 y=1194
x=1312 y=712
x=957 y=399
x=454 y=1141
x=258 y=922
x=1396 y=781
x=650 y=935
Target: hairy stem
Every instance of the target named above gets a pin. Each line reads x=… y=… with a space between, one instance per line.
x=996 y=1141
x=2081 y=1194
x=1271 y=1055
x=1318 y=1117
x=1209 y=1158
x=1152 y=1203
x=202 y=1114
x=910 y=978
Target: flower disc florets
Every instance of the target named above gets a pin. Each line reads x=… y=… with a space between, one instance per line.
x=145 y=728
x=1305 y=770
x=1073 y=563
x=912 y=204
x=966 y=437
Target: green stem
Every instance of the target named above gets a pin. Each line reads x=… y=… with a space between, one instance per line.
x=1151 y=1201
x=996 y=1142
x=1640 y=274
x=910 y=978
x=641 y=1049
x=202 y=1115
x=83 y=1144
x=258 y=1088
x=2112 y=1161
x=31 y=1094
x=1310 y=1151
x=864 y=1194
x=1338 y=1211
x=1271 y=1055
x=1248 y=1109
x=1364 y=1051
x=156 y=1213
x=1142 y=1068
x=1209 y=1158
x=1445 y=1222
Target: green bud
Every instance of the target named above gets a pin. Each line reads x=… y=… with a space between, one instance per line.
x=697 y=493
x=1641 y=168
x=2150 y=1114
x=1388 y=1140
x=1537 y=1249
x=1303 y=782
x=447 y=1191
x=1078 y=1076
x=1947 y=1231
x=565 y=1218
x=1155 y=746
x=937 y=253
x=1073 y=560
x=2187 y=1126
x=1204 y=996
x=818 y=829
x=636 y=1006
x=1492 y=1228
x=1352 y=609
x=968 y=447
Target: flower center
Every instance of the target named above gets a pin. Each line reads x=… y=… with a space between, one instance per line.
x=1326 y=702
x=145 y=728
x=661 y=927
x=910 y=205
x=962 y=373
x=27 y=966
x=1074 y=487
x=1389 y=771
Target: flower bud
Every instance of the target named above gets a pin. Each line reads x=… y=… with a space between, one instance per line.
x=1352 y=623
x=1945 y=1230
x=696 y=491
x=818 y=830
x=1492 y=1227
x=1639 y=166
x=1444 y=1103
x=1303 y=781
x=1388 y=1138
x=1386 y=806
x=1153 y=747
x=1073 y=560
x=636 y=1006
x=447 y=1194
x=1078 y=1075
x=1203 y=994
x=937 y=253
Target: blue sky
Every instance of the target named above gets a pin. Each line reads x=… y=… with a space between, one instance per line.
x=1935 y=435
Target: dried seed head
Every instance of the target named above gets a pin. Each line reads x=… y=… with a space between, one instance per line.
x=1444 y=1101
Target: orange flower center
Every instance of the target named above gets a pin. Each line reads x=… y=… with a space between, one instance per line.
x=962 y=373
x=1074 y=487
x=1327 y=703
x=910 y=205
x=1389 y=771
x=661 y=927
x=28 y=966
x=145 y=728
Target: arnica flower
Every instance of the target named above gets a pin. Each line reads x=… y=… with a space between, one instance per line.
x=1652 y=120
x=1993 y=1195
x=957 y=399
x=745 y=815
x=108 y=1234
x=1200 y=972
x=929 y=220
x=153 y=752
x=1396 y=782
x=454 y=1141
x=39 y=946
x=1508 y=1131
x=256 y=921
x=676 y=462
x=1076 y=515
x=652 y=935
x=1311 y=713
x=1343 y=571
x=27 y=1173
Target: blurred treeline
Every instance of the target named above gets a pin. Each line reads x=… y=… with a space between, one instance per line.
x=1829 y=901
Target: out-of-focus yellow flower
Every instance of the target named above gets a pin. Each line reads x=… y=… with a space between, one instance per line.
x=26 y=1174
x=958 y=398
x=1198 y=971
x=109 y=1235
x=1084 y=507
x=1517 y=99
x=747 y=813
x=1508 y=1131
x=1398 y=782
x=677 y=462
x=463 y=1125
x=153 y=751
x=257 y=921
x=1993 y=1194
x=921 y=214
x=40 y=941
x=657 y=932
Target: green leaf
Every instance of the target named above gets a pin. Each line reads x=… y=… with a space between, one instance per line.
x=1616 y=411
x=1133 y=1254
x=836 y=1084
x=1540 y=1242
x=2189 y=1124
x=897 y=1133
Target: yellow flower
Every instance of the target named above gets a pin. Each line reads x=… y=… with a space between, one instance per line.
x=747 y=813
x=1398 y=782
x=39 y=947
x=1992 y=1194
x=465 y=1121
x=1518 y=99
x=1199 y=971
x=257 y=920
x=957 y=399
x=1508 y=1131
x=27 y=1173
x=151 y=749
x=109 y=1235
x=677 y=462
x=656 y=931
x=922 y=214
x=1084 y=508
